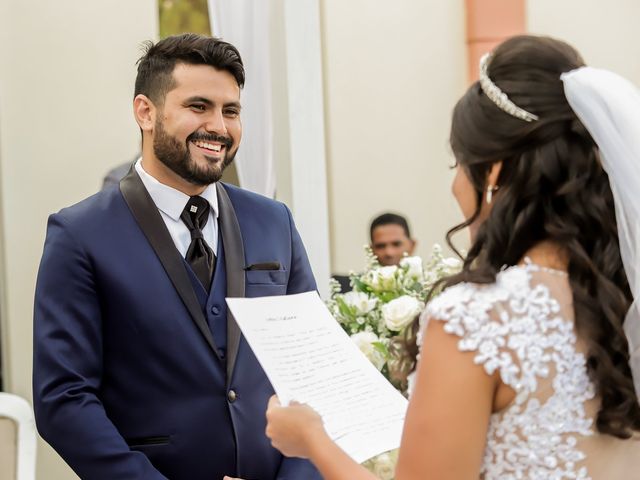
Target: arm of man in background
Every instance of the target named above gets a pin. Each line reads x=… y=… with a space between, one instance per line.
x=116 y=174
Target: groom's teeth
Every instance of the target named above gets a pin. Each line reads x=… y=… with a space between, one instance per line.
x=209 y=146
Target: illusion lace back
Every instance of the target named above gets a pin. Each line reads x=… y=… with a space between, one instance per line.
x=523 y=327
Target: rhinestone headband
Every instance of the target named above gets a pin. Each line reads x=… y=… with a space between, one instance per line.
x=497 y=96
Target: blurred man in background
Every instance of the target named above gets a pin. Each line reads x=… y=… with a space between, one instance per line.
x=391 y=238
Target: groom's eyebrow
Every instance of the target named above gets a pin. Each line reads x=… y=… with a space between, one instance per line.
x=209 y=103
x=199 y=99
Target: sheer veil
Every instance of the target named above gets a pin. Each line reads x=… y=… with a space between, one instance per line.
x=609 y=107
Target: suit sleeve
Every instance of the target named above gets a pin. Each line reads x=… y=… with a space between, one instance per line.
x=297 y=469
x=300 y=280
x=301 y=276
x=67 y=370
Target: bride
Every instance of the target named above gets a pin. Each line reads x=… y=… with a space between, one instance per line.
x=524 y=370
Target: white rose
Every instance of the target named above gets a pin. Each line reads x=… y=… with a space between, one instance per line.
x=452 y=263
x=360 y=301
x=399 y=313
x=372 y=278
x=413 y=265
x=384 y=467
x=364 y=341
x=387 y=274
x=382 y=279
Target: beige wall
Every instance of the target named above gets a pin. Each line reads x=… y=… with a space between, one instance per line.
x=605 y=33
x=393 y=71
x=66 y=82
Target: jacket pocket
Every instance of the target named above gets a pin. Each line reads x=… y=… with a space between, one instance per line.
x=148 y=441
x=266 y=277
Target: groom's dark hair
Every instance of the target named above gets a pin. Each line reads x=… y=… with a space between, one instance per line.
x=155 y=67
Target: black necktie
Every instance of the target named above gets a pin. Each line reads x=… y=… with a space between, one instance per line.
x=199 y=255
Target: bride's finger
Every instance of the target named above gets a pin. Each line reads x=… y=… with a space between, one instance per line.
x=273 y=402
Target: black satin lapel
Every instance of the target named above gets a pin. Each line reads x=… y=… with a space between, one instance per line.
x=234 y=264
x=146 y=214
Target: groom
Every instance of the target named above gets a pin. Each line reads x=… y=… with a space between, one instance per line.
x=139 y=371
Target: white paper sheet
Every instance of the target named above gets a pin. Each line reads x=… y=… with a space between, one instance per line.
x=309 y=358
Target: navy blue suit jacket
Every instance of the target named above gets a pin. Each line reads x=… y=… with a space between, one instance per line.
x=138 y=374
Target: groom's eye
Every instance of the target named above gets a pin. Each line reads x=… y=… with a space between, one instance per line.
x=231 y=112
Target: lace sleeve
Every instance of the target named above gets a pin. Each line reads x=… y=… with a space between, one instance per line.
x=516 y=327
x=477 y=315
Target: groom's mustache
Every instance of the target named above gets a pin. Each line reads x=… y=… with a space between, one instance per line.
x=208 y=137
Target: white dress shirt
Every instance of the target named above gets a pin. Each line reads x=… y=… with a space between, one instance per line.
x=171 y=203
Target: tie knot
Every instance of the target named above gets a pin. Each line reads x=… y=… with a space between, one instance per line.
x=195 y=213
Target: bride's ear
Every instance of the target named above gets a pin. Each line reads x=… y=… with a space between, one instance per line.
x=494 y=174
x=491 y=185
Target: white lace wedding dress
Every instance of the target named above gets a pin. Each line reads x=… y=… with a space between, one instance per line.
x=523 y=326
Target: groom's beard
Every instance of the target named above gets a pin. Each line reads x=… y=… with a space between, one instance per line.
x=172 y=153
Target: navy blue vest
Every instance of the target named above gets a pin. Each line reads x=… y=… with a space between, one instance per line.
x=214 y=305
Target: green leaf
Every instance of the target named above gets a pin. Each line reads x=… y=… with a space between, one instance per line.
x=344 y=309
x=360 y=285
x=387 y=296
x=382 y=348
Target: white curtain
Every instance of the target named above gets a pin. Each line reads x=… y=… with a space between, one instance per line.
x=245 y=24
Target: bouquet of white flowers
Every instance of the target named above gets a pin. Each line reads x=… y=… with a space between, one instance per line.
x=383 y=303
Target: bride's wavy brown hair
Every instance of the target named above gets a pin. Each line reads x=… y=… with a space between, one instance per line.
x=552 y=187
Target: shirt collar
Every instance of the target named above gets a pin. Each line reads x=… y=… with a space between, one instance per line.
x=172 y=201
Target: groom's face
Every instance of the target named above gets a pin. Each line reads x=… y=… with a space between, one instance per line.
x=198 y=129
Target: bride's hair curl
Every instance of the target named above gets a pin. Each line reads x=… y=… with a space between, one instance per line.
x=552 y=187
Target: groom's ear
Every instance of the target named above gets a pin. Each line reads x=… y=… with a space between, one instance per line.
x=144 y=112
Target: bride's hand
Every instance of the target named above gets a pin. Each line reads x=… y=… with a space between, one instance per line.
x=294 y=430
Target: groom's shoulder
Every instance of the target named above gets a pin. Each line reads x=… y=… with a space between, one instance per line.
x=97 y=207
x=246 y=199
